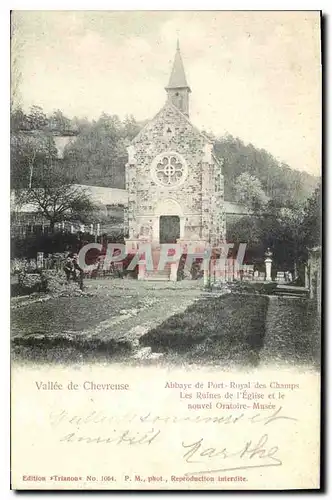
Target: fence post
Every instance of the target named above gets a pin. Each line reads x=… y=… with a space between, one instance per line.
x=40 y=260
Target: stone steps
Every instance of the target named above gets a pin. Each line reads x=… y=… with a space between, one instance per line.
x=164 y=275
x=158 y=275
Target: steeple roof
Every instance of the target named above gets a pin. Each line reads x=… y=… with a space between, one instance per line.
x=178 y=77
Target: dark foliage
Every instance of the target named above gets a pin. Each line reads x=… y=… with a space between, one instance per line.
x=281 y=184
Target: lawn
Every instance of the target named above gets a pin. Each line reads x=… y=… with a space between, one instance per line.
x=51 y=331
x=230 y=328
x=241 y=330
x=235 y=329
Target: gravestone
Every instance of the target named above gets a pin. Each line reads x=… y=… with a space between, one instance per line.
x=280 y=276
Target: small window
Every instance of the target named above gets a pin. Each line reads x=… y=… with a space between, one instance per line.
x=168 y=131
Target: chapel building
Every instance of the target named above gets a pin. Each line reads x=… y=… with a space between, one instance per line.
x=174 y=182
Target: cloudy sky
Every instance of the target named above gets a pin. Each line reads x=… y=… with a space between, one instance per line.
x=255 y=75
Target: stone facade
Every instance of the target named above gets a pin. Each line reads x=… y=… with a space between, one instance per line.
x=172 y=172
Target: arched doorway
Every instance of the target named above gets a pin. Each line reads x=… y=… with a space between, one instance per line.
x=168 y=224
x=169 y=228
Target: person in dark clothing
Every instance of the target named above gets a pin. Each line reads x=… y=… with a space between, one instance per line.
x=69 y=267
x=78 y=271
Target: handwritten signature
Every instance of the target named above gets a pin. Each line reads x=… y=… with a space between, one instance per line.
x=252 y=456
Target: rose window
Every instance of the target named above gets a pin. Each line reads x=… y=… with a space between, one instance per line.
x=169 y=170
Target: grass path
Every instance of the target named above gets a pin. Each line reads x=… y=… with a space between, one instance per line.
x=292 y=333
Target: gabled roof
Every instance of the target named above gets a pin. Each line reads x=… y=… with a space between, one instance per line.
x=178 y=77
x=207 y=139
x=137 y=137
x=168 y=104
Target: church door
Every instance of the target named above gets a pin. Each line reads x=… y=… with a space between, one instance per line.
x=169 y=228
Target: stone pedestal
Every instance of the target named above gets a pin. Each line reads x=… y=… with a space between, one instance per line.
x=206 y=277
x=141 y=272
x=174 y=272
x=268 y=265
x=268 y=269
x=306 y=277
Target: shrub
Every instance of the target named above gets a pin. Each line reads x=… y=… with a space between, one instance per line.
x=30 y=283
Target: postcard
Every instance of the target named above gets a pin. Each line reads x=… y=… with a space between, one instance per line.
x=166 y=208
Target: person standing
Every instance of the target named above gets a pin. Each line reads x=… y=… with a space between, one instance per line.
x=78 y=271
x=69 y=267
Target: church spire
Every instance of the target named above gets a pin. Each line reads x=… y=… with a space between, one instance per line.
x=178 y=77
x=178 y=89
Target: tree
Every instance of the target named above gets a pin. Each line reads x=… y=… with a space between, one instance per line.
x=286 y=236
x=31 y=144
x=16 y=45
x=289 y=231
x=312 y=220
x=29 y=151
x=130 y=128
x=58 y=122
x=281 y=184
x=98 y=155
x=56 y=197
x=37 y=176
x=37 y=119
x=247 y=229
x=249 y=191
x=18 y=121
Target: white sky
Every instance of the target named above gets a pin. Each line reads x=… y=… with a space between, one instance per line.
x=253 y=74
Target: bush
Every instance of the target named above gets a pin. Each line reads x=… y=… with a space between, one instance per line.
x=55 y=281
x=46 y=280
x=30 y=283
